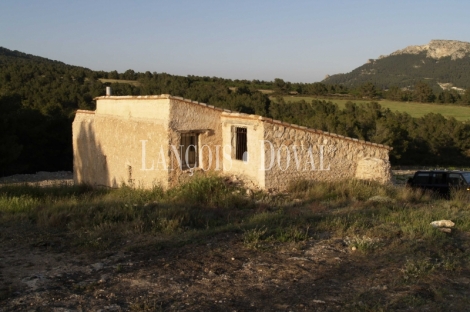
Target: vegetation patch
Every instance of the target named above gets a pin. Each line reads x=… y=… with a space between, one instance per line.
x=330 y=235
x=414 y=109
x=39 y=98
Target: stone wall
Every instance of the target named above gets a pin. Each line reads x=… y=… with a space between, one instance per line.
x=374 y=169
x=193 y=117
x=294 y=153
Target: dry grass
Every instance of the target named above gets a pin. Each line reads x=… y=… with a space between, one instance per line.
x=387 y=224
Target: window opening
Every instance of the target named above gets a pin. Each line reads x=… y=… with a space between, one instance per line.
x=188 y=152
x=241 y=144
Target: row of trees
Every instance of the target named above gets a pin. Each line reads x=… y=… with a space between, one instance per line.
x=31 y=141
x=430 y=140
x=419 y=92
x=39 y=97
x=423 y=93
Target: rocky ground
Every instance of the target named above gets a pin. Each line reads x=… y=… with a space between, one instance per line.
x=219 y=274
x=42 y=272
x=215 y=275
x=42 y=178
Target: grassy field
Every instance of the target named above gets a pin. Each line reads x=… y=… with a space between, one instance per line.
x=461 y=113
x=382 y=252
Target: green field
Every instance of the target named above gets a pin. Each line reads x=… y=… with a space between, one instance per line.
x=461 y=113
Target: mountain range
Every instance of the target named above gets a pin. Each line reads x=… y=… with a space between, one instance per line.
x=443 y=64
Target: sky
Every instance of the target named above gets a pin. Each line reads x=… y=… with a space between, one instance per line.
x=298 y=41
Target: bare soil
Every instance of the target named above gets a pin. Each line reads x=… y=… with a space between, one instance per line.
x=42 y=178
x=44 y=272
x=218 y=274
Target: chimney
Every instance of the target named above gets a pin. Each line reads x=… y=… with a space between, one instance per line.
x=108 y=91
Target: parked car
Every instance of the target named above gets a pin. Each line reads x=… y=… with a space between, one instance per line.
x=440 y=181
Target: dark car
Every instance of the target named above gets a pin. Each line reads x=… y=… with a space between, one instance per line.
x=440 y=181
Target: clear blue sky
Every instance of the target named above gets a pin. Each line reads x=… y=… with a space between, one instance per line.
x=298 y=41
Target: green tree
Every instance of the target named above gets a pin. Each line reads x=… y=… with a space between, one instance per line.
x=113 y=75
x=466 y=96
x=129 y=75
x=318 y=88
x=368 y=90
x=447 y=96
x=391 y=130
x=281 y=86
x=423 y=93
x=10 y=148
x=394 y=94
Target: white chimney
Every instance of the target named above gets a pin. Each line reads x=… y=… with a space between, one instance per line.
x=108 y=91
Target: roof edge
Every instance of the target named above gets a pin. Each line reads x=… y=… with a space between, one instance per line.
x=84 y=111
x=127 y=97
x=294 y=126
x=229 y=113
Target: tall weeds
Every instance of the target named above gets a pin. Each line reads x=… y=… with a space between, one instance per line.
x=345 y=209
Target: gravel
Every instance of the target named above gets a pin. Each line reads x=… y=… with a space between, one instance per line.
x=41 y=178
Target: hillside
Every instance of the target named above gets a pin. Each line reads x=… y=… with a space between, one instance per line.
x=39 y=97
x=441 y=63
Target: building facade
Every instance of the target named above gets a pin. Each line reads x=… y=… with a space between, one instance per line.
x=162 y=140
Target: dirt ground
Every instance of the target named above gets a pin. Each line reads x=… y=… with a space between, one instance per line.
x=218 y=274
x=42 y=178
x=221 y=274
x=42 y=272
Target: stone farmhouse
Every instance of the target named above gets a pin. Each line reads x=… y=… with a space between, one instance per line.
x=161 y=140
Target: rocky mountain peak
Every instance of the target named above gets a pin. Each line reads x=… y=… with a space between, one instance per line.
x=437 y=49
